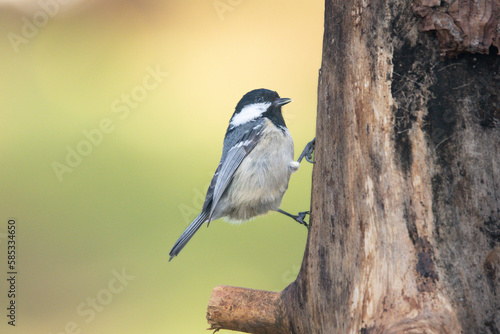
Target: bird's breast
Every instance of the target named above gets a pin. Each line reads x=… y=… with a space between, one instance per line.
x=262 y=178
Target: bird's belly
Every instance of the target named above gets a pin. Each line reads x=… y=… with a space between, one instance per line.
x=261 y=180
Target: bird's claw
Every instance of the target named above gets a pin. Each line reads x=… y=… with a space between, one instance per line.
x=308 y=152
x=300 y=218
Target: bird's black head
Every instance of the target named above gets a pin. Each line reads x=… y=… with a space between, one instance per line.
x=259 y=103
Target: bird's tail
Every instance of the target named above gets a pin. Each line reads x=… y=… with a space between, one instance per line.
x=188 y=234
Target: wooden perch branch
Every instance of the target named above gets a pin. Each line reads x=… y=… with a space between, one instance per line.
x=244 y=310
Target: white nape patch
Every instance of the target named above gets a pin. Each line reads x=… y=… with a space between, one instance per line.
x=249 y=113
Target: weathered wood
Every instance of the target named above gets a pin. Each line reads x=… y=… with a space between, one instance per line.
x=246 y=310
x=404 y=234
x=466 y=25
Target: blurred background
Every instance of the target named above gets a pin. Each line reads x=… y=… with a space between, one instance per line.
x=112 y=116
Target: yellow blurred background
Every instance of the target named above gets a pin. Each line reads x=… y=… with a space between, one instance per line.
x=112 y=116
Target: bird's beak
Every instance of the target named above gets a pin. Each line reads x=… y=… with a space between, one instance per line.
x=282 y=102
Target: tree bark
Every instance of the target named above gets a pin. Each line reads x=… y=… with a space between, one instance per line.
x=245 y=310
x=405 y=227
x=466 y=25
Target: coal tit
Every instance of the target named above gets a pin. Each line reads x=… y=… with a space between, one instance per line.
x=255 y=167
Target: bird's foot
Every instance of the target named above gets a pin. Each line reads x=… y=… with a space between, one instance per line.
x=308 y=152
x=299 y=218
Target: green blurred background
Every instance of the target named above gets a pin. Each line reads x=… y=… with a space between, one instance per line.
x=70 y=67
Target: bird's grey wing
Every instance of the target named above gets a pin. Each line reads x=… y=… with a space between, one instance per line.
x=210 y=192
x=235 y=150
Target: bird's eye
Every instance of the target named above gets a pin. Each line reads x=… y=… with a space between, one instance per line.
x=259 y=99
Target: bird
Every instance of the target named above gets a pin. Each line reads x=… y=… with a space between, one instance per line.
x=255 y=168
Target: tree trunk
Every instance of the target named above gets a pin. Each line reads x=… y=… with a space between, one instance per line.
x=405 y=226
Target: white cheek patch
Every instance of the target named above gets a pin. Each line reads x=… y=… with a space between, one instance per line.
x=249 y=113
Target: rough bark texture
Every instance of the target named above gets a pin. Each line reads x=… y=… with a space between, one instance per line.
x=245 y=310
x=465 y=25
x=405 y=226
x=408 y=217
